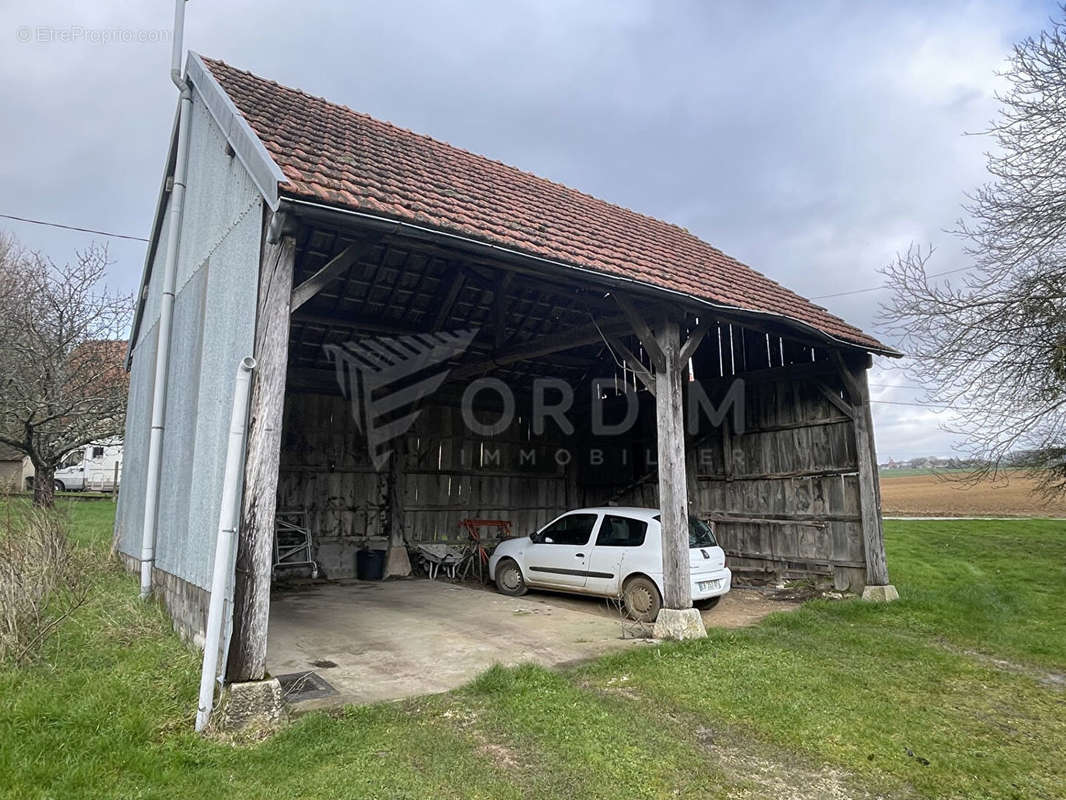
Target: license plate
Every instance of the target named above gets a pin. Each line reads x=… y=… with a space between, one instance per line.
x=706 y=586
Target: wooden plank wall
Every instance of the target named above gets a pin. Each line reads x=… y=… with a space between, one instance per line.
x=448 y=475
x=784 y=494
x=326 y=471
x=452 y=475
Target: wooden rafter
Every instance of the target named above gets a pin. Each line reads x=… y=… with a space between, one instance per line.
x=500 y=307
x=332 y=270
x=541 y=346
x=458 y=280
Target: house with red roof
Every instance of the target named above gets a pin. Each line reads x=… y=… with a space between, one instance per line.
x=440 y=339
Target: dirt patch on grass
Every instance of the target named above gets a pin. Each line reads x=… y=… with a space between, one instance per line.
x=936 y=496
x=742 y=608
x=1048 y=678
x=754 y=769
x=759 y=772
x=500 y=755
x=466 y=720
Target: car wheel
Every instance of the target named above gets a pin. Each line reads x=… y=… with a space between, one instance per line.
x=509 y=578
x=641 y=599
x=59 y=487
x=708 y=604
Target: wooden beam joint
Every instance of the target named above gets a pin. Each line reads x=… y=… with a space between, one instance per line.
x=332 y=270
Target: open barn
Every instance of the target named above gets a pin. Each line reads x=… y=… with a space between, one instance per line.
x=440 y=338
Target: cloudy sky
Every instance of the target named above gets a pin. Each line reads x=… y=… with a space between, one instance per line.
x=811 y=140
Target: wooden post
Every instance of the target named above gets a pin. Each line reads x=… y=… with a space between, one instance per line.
x=873 y=534
x=692 y=485
x=727 y=449
x=673 y=488
x=251 y=592
x=397 y=562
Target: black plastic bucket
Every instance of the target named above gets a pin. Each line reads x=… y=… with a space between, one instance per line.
x=370 y=565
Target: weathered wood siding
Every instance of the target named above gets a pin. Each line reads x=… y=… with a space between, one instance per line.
x=784 y=493
x=447 y=475
x=452 y=474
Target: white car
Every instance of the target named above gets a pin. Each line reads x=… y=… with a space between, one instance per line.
x=609 y=552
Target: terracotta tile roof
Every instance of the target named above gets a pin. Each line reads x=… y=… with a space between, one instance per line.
x=340 y=157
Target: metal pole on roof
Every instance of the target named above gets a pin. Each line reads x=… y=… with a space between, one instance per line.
x=228 y=520
x=166 y=307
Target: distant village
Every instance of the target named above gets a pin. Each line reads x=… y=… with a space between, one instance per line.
x=931 y=463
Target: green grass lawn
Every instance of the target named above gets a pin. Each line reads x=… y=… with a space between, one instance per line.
x=950 y=692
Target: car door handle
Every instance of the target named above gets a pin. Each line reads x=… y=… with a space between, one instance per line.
x=579 y=555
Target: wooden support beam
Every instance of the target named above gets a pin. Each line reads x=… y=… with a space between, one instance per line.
x=692 y=484
x=836 y=400
x=873 y=535
x=255 y=541
x=673 y=484
x=727 y=449
x=446 y=306
x=694 y=339
x=643 y=332
x=500 y=308
x=849 y=373
x=634 y=363
x=333 y=269
x=397 y=563
x=541 y=346
x=351 y=323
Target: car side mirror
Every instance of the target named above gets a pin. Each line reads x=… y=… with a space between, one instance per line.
x=536 y=538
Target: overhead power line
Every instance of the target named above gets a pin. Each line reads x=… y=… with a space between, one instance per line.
x=897 y=386
x=930 y=406
x=74 y=228
x=881 y=288
x=143 y=239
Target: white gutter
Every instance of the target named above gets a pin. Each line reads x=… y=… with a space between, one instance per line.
x=166 y=310
x=228 y=521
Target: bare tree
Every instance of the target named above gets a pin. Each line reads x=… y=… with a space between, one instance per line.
x=993 y=343
x=63 y=383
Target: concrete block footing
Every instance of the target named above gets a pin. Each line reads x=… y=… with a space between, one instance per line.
x=679 y=624
x=880 y=594
x=252 y=706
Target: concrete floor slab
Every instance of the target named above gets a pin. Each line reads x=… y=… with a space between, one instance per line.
x=375 y=641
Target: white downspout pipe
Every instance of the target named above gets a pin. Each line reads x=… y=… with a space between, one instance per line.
x=166 y=308
x=228 y=522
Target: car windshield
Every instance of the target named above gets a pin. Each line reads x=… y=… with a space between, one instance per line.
x=700 y=534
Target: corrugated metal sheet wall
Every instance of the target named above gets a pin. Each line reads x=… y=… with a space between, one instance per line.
x=214 y=326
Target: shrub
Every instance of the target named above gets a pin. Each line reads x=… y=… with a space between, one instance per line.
x=44 y=578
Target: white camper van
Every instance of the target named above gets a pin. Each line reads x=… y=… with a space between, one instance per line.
x=93 y=468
